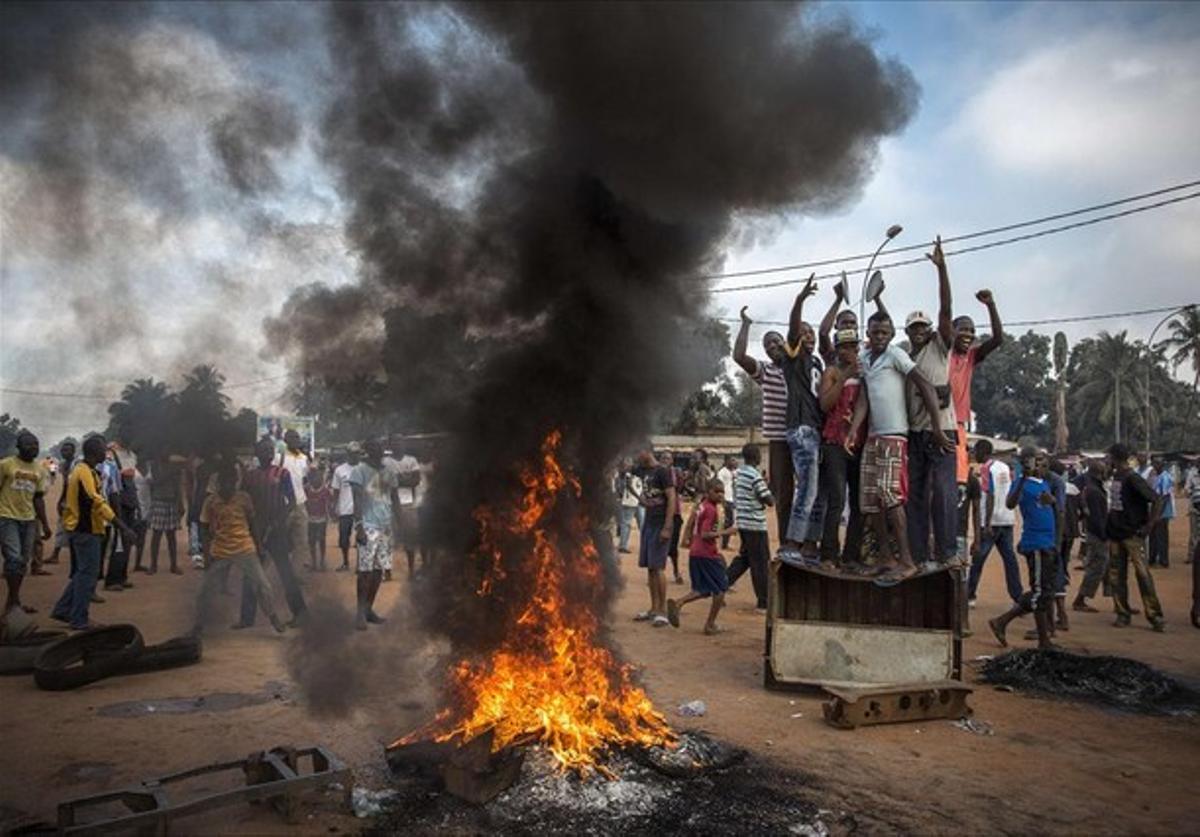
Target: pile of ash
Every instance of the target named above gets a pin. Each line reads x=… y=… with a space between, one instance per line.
x=702 y=787
x=1109 y=681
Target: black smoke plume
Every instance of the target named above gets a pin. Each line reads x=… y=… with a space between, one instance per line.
x=533 y=190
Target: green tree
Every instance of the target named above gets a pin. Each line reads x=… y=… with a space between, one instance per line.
x=1105 y=388
x=201 y=412
x=1012 y=394
x=141 y=419
x=1183 y=342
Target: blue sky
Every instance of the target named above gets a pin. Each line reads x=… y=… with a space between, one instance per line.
x=1026 y=109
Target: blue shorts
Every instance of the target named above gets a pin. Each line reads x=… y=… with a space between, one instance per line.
x=16 y=544
x=652 y=552
x=708 y=575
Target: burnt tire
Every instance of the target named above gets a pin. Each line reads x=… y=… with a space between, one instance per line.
x=17 y=656
x=86 y=657
x=180 y=651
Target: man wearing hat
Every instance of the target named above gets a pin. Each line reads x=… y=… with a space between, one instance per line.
x=933 y=500
x=840 y=385
x=343 y=494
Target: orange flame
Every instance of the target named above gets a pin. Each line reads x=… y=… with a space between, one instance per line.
x=550 y=681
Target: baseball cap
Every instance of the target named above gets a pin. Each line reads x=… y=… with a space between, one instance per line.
x=845 y=335
x=917 y=317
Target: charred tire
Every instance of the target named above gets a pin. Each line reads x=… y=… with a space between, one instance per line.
x=86 y=657
x=180 y=651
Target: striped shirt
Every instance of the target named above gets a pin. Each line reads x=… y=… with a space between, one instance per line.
x=770 y=377
x=750 y=490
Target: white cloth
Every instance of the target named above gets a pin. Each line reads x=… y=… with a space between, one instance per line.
x=296 y=464
x=631 y=491
x=340 y=485
x=997 y=479
x=404 y=465
x=726 y=477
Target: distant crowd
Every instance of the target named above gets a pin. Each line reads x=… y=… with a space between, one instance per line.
x=235 y=515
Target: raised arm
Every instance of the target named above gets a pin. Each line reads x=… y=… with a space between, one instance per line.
x=945 y=322
x=824 y=344
x=740 y=344
x=797 y=318
x=997 y=339
x=879 y=306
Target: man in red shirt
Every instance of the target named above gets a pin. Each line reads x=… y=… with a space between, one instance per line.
x=965 y=355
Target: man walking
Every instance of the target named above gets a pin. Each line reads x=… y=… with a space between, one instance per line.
x=22 y=508
x=995 y=479
x=85 y=514
x=272 y=495
x=1133 y=510
x=752 y=499
x=725 y=475
x=344 y=494
x=294 y=460
x=1094 y=504
x=375 y=486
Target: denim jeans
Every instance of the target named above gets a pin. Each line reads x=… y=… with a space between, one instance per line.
x=932 y=497
x=807 y=516
x=625 y=525
x=1002 y=539
x=72 y=605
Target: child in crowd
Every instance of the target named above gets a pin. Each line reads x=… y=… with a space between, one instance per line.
x=318 y=500
x=750 y=514
x=231 y=541
x=1033 y=494
x=705 y=564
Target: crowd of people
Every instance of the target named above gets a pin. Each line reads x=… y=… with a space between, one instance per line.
x=872 y=438
x=275 y=511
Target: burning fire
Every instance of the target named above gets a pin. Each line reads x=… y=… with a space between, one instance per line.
x=550 y=681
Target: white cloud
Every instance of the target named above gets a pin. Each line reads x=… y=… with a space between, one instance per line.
x=1108 y=102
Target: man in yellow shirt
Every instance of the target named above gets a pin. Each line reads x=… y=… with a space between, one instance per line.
x=227 y=520
x=85 y=514
x=22 y=485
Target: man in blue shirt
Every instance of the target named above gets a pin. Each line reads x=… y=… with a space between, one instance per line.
x=1160 y=535
x=1034 y=495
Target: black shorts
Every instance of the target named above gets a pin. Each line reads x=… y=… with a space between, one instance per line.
x=345 y=530
x=316 y=531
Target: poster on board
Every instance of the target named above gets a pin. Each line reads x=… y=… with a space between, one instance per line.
x=274 y=427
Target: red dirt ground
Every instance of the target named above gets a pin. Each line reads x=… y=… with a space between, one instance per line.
x=1051 y=767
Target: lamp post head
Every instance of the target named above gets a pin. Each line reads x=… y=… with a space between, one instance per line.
x=894 y=230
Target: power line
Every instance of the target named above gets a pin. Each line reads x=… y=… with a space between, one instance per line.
x=1048 y=321
x=110 y=398
x=920 y=259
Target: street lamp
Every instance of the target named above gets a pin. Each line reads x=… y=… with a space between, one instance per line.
x=1150 y=366
x=892 y=231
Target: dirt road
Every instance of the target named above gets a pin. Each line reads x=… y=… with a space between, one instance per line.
x=1051 y=766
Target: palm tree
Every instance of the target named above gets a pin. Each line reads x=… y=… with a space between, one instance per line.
x=1061 y=433
x=1184 y=339
x=138 y=419
x=206 y=384
x=1108 y=378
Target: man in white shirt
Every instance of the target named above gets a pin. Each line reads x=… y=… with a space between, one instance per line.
x=294 y=460
x=408 y=524
x=629 y=492
x=995 y=478
x=344 y=501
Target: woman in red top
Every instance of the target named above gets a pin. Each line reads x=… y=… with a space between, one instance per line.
x=840 y=385
x=705 y=563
